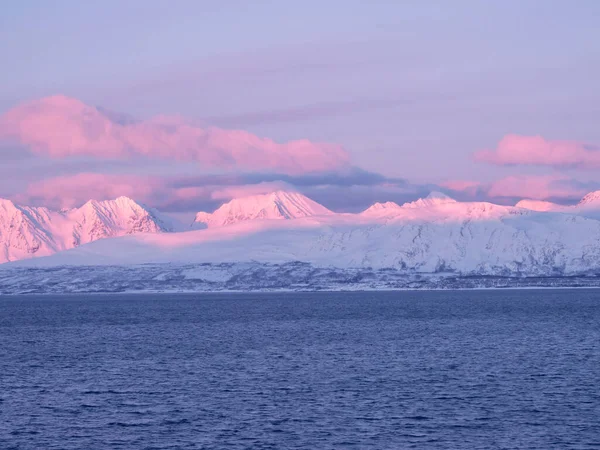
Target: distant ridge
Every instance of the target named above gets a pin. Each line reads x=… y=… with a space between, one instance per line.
x=429 y=234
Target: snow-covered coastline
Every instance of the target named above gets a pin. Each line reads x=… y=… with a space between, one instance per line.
x=255 y=277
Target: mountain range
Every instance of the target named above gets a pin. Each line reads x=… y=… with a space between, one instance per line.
x=27 y=232
x=436 y=234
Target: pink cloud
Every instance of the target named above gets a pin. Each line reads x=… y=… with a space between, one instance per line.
x=523 y=186
x=535 y=150
x=61 y=127
x=462 y=186
x=74 y=190
x=535 y=187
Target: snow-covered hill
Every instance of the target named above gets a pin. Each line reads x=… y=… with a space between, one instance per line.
x=27 y=232
x=277 y=205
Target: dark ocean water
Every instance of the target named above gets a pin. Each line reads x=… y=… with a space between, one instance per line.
x=509 y=369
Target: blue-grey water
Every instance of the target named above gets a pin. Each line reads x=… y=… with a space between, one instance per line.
x=500 y=369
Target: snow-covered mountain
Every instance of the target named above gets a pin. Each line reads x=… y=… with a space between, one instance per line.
x=591 y=200
x=26 y=232
x=23 y=232
x=276 y=205
x=389 y=210
x=435 y=234
x=431 y=235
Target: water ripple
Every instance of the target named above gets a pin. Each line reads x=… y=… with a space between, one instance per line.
x=511 y=369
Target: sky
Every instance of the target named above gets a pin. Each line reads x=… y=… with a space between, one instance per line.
x=180 y=104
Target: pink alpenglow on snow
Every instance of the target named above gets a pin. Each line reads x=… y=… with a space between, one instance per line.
x=588 y=206
x=60 y=127
x=279 y=205
x=539 y=205
x=536 y=151
x=27 y=232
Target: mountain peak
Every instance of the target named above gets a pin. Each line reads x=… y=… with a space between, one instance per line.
x=379 y=207
x=434 y=198
x=36 y=231
x=120 y=202
x=98 y=219
x=591 y=199
x=275 y=205
x=436 y=195
x=6 y=204
x=128 y=202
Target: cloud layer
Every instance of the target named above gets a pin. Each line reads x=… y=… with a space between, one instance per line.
x=99 y=154
x=536 y=151
x=516 y=187
x=61 y=127
x=353 y=192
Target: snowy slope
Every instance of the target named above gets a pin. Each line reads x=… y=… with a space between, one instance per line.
x=589 y=206
x=274 y=206
x=435 y=235
x=540 y=205
x=26 y=232
x=97 y=220
x=23 y=232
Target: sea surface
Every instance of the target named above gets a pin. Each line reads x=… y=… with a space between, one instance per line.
x=394 y=370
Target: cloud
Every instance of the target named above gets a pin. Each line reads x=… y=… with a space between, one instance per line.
x=351 y=192
x=513 y=188
x=537 y=151
x=229 y=192
x=62 y=127
x=164 y=193
x=74 y=190
x=535 y=187
x=467 y=186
